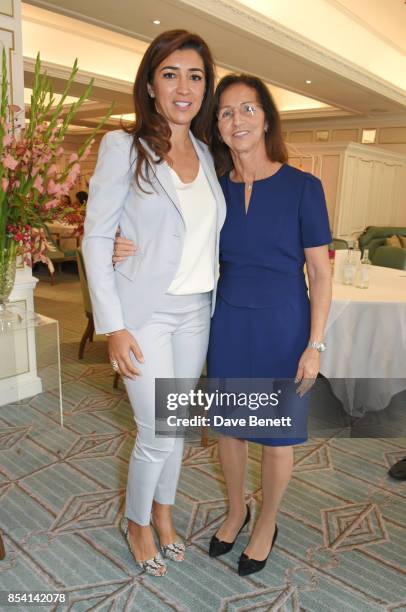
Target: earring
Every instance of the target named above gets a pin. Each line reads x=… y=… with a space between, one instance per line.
x=150 y=91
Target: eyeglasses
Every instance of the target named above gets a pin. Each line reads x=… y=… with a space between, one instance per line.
x=246 y=109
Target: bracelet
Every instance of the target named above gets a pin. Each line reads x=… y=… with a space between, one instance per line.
x=319 y=346
x=114 y=332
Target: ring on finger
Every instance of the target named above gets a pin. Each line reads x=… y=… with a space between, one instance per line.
x=114 y=365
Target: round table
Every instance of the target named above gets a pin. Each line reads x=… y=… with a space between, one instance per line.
x=365 y=360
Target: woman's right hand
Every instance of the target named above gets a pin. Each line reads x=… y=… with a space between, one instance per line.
x=123 y=249
x=120 y=344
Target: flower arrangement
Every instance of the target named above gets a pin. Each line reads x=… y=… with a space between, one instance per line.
x=31 y=185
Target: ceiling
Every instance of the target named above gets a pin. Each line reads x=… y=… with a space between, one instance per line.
x=386 y=18
x=109 y=38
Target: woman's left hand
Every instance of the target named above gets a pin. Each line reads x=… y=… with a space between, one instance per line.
x=308 y=368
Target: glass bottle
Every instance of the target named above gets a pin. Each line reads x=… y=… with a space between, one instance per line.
x=350 y=266
x=363 y=272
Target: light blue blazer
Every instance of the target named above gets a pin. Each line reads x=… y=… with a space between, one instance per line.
x=126 y=295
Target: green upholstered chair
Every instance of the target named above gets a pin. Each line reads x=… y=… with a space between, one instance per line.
x=64 y=248
x=339 y=244
x=87 y=304
x=373 y=239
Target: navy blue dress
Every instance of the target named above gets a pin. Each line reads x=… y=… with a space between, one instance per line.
x=261 y=324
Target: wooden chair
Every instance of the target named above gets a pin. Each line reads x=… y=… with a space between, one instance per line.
x=2 y=549
x=87 y=304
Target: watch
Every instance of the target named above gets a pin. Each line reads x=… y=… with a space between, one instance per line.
x=319 y=346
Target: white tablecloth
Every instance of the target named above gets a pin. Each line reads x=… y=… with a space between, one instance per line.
x=366 y=339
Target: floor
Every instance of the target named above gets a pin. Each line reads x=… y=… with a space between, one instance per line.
x=341 y=545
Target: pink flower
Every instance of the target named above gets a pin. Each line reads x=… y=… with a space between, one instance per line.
x=52 y=187
x=51 y=170
x=39 y=184
x=46 y=158
x=73 y=157
x=51 y=204
x=4 y=183
x=10 y=162
x=87 y=151
x=7 y=140
x=59 y=151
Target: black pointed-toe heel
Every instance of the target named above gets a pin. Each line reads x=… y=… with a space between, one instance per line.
x=219 y=547
x=247 y=566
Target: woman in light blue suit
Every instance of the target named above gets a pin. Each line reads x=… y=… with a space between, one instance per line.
x=158 y=183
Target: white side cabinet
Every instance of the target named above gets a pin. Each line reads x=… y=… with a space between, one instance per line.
x=364 y=185
x=18 y=360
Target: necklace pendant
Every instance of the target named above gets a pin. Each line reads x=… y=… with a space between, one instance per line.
x=249 y=185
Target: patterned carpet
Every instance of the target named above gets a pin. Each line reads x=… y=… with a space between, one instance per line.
x=342 y=541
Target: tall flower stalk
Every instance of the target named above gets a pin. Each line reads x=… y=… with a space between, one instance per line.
x=31 y=181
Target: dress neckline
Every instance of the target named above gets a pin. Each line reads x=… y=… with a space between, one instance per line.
x=267 y=178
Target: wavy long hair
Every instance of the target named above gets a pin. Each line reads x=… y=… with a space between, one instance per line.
x=275 y=146
x=149 y=125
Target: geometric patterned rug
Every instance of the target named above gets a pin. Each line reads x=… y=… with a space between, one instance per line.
x=342 y=538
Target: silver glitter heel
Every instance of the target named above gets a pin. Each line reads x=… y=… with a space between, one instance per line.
x=150 y=566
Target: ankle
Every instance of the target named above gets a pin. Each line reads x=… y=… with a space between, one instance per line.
x=137 y=529
x=237 y=510
x=161 y=514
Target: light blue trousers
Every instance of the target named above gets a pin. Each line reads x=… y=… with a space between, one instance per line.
x=174 y=345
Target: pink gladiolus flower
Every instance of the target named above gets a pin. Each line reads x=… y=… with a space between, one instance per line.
x=73 y=157
x=46 y=158
x=59 y=151
x=39 y=184
x=10 y=162
x=59 y=189
x=86 y=152
x=4 y=183
x=51 y=170
x=71 y=180
x=52 y=187
x=7 y=140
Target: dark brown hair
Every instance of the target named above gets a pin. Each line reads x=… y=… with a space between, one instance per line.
x=150 y=125
x=275 y=146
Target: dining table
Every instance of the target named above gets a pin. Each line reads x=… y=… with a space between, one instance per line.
x=365 y=360
x=65 y=235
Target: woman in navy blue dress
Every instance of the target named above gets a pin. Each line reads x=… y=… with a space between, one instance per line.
x=264 y=326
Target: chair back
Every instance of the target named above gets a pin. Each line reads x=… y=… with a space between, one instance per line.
x=339 y=244
x=87 y=303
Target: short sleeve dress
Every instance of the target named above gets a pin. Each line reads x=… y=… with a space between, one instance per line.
x=261 y=324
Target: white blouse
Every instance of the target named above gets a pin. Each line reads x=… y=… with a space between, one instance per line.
x=198 y=205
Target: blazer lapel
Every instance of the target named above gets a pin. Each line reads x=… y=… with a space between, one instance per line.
x=161 y=172
x=162 y=175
